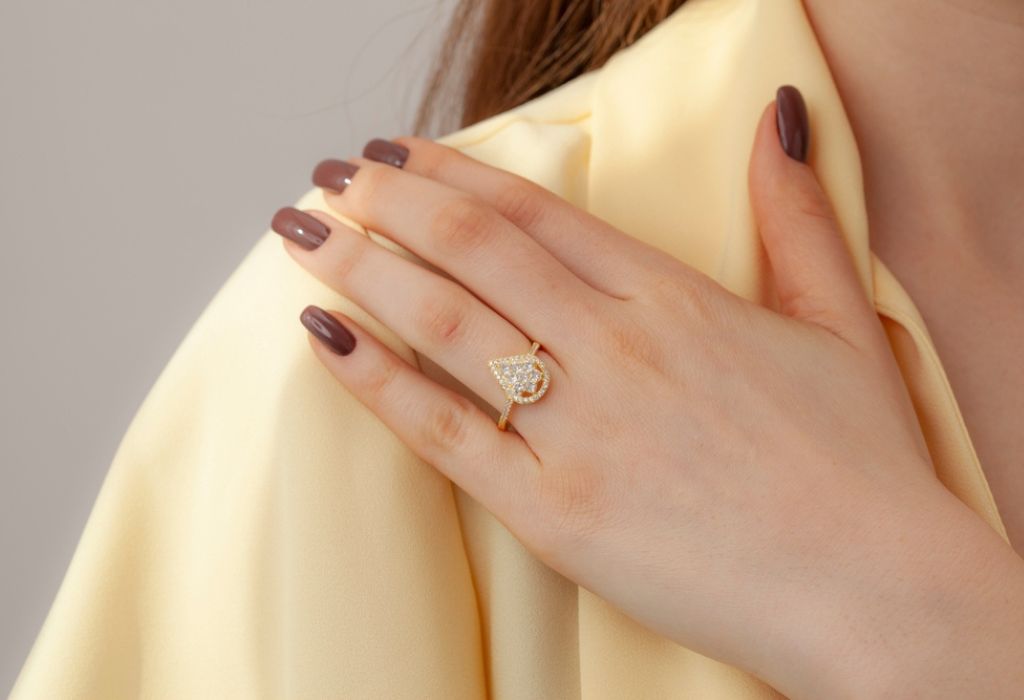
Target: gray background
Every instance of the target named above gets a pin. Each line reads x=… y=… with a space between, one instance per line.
x=144 y=146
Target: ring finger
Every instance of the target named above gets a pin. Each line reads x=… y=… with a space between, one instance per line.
x=434 y=315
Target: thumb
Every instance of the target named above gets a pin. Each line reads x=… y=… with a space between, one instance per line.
x=814 y=273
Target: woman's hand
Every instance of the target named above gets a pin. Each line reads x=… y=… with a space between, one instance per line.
x=749 y=482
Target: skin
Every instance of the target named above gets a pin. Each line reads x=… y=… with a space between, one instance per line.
x=811 y=546
x=880 y=583
x=935 y=93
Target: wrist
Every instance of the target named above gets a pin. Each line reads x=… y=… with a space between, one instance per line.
x=935 y=610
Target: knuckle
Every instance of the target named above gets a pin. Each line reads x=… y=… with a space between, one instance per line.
x=349 y=259
x=817 y=313
x=378 y=380
x=446 y=426
x=521 y=202
x=574 y=506
x=367 y=186
x=701 y=303
x=687 y=290
x=443 y=319
x=809 y=202
x=667 y=286
x=633 y=344
x=432 y=159
x=461 y=225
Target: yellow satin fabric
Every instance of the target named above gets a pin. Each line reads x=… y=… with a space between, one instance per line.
x=262 y=535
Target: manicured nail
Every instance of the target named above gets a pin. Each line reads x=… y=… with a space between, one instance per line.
x=328 y=330
x=296 y=225
x=388 y=152
x=334 y=174
x=791 y=120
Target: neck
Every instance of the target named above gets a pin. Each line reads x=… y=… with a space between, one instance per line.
x=934 y=90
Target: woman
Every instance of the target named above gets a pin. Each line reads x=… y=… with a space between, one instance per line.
x=737 y=468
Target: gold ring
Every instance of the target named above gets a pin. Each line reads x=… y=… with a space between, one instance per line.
x=524 y=379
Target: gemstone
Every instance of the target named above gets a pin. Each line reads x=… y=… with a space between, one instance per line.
x=523 y=378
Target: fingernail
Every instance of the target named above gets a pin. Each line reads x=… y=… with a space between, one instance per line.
x=791 y=120
x=296 y=225
x=388 y=152
x=334 y=174
x=328 y=330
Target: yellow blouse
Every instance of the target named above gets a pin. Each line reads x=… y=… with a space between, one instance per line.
x=260 y=534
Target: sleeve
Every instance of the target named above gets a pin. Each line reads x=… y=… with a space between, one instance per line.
x=259 y=533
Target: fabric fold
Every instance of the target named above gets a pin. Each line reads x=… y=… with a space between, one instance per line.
x=260 y=534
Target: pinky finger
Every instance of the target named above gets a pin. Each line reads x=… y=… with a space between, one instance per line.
x=443 y=427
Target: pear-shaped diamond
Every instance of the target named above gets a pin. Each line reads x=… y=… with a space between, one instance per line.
x=524 y=378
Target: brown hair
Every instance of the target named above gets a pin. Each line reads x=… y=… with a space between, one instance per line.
x=501 y=53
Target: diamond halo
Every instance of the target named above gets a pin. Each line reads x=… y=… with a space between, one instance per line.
x=524 y=378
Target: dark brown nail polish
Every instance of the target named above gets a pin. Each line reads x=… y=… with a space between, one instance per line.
x=388 y=152
x=791 y=120
x=328 y=330
x=334 y=174
x=296 y=225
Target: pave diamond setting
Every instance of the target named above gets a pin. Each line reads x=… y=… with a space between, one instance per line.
x=524 y=378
